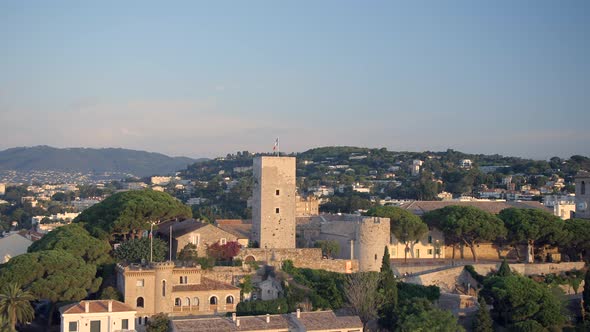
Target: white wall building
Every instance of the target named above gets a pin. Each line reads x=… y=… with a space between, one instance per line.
x=97 y=316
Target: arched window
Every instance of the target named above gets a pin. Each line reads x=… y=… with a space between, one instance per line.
x=187 y=302
x=163 y=288
x=181 y=280
x=195 y=301
x=139 y=302
x=145 y=320
x=583 y=188
x=213 y=300
x=177 y=302
x=229 y=299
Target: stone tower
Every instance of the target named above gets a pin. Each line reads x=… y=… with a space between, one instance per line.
x=274 y=202
x=372 y=236
x=583 y=195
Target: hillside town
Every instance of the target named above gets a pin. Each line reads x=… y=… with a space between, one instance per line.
x=166 y=253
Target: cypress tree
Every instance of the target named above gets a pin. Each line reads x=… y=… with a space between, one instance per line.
x=504 y=270
x=483 y=321
x=387 y=289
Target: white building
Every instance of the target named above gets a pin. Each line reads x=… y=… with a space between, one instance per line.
x=161 y=180
x=465 y=163
x=97 y=316
x=13 y=245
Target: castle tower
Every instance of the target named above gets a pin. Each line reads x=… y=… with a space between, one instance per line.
x=274 y=202
x=583 y=195
x=372 y=235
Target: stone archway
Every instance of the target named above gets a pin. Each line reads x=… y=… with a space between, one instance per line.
x=249 y=258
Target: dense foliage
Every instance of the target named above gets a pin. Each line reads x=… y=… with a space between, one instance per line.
x=55 y=275
x=419 y=314
x=467 y=225
x=329 y=247
x=131 y=212
x=517 y=299
x=74 y=239
x=533 y=226
x=136 y=250
x=158 y=323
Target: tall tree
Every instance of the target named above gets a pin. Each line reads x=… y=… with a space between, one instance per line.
x=504 y=270
x=15 y=305
x=419 y=314
x=361 y=291
x=577 y=245
x=74 y=239
x=483 y=320
x=533 y=227
x=131 y=212
x=468 y=224
x=517 y=299
x=404 y=225
x=53 y=275
x=389 y=292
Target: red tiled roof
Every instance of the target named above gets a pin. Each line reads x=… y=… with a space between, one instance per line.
x=95 y=307
x=247 y=323
x=205 y=285
x=420 y=207
x=328 y=320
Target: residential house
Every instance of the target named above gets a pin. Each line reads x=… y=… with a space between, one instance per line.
x=199 y=233
x=97 y=316
x=270 y=289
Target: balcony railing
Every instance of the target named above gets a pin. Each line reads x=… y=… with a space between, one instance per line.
x=193 y=308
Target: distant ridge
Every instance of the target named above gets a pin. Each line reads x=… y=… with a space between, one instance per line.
x=139 y=163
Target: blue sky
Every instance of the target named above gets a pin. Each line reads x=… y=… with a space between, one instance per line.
x=203 y=79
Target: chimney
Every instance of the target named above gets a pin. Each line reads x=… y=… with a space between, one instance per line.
x=298 y=313
x=268 y=318
x=238 y=322
x=233 y=317
x=86 y=307
x=110 y=306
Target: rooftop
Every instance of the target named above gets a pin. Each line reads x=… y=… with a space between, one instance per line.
x=247 y=323
x=96 y=306
x=205 y=285
x=421 y=207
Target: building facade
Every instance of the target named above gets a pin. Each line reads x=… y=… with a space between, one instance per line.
x=583 y=195
x=164 y=287
x=274 y=202
x=307 y=206
x=97 y=316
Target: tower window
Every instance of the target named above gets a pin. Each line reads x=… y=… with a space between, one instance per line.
x=277 y=210
x=583 y=188
x=277 y=192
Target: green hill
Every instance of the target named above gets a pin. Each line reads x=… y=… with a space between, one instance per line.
x=139 y=163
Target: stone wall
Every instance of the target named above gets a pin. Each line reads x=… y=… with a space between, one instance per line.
x=447 y=278
x=490 y=251
x=301 y=257
x=227 y=274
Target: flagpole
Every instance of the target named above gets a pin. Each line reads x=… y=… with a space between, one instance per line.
x=170 y=255
x=278 y=148
x=151 y=242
